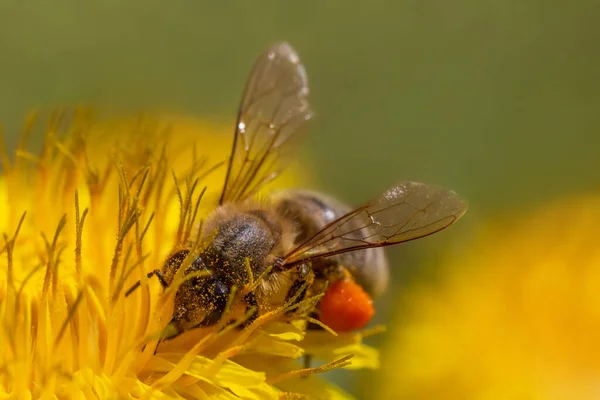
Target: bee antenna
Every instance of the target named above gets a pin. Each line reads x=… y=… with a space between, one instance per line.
x=156 y=273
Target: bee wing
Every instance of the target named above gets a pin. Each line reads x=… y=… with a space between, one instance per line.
x=273 y=111
x=404 y=212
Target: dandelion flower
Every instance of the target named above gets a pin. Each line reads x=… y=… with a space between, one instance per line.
x=97 y=208
x=515 y=317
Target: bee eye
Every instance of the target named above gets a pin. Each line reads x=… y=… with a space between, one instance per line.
x=346 y=306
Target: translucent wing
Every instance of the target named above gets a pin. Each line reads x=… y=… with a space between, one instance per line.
x=406 y=211
x=273 y=112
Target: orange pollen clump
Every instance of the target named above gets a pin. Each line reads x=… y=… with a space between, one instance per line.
x=346 y=306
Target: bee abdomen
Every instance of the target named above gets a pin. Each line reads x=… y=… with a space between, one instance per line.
x=311 y=211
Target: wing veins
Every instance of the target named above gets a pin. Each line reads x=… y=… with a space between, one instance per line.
x=405 y=212
x=253 y=171
x=273 y=108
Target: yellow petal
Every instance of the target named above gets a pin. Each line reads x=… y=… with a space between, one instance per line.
x=97 y=209
x=515 y=315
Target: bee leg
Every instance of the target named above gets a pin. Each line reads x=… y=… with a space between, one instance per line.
x=297 y=293
x=159 y=276
x=298 y=290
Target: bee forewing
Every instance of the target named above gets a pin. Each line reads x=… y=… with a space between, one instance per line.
x=404 y=212
x=273 y=111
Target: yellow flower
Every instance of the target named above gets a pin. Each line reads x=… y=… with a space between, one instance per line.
x=517 y=316
x=99 y=206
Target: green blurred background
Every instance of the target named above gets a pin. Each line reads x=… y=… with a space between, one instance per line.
x=497 y=99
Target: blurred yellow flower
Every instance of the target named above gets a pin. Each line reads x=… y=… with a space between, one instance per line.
x=98 y=207
x=516 y=316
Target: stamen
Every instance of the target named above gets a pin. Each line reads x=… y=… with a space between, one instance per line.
x=70 y=315
x=9 y=246
x=79 y=333
x=339 y=363
x=79 y=222
x=322 y=325
x=53 y=253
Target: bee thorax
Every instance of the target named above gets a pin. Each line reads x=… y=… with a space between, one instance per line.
x=242 y=242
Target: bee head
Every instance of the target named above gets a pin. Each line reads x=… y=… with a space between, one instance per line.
x=199 y=301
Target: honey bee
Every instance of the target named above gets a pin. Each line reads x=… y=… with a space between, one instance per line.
x=298 y=241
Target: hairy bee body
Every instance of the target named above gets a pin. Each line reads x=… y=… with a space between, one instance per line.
x=248 y=232
x=248 y=237
x=242 y=239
